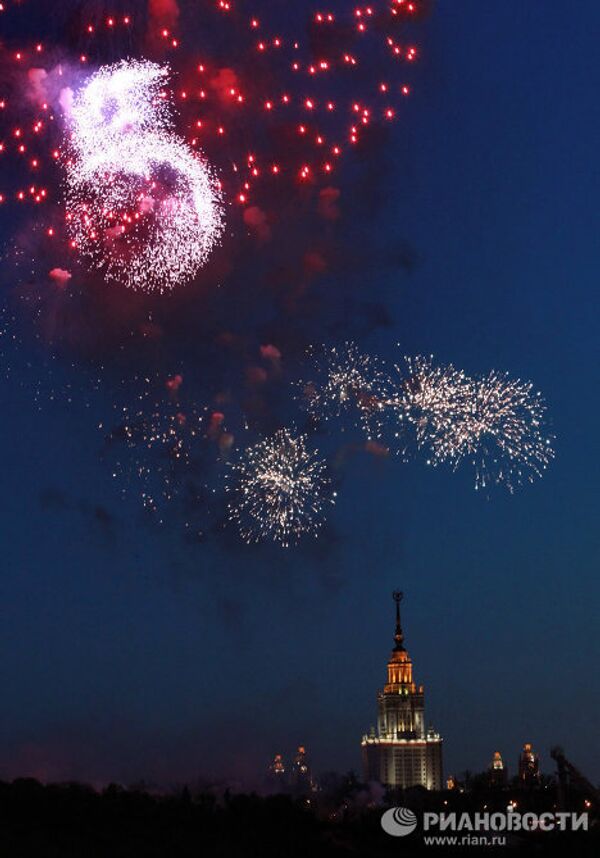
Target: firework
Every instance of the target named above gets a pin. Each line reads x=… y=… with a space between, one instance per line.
x=273 y=102
x=426 y=401
x=140 y=205
x=301 y=93
x=155 y=447
x=279 y=490
x=493 y=422
x=347 y=382
x=500 y=430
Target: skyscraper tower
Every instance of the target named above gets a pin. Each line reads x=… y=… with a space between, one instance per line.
x=277 y=767
x=498 y=775
x=401 y=752
x=529 y=766
x=301 y=779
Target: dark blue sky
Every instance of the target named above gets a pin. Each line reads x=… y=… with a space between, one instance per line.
x=125 y=653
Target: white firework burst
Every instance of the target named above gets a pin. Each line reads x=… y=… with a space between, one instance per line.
x=347 y=381
x=279 y=490
x=493 y=422
x=141 y=206
x=426 y=400
x=500 y=430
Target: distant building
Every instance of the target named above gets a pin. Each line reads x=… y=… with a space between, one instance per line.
x=529 y=766
x=401 y=752
x=498 y=774
x=294 y=778
x=277 y=776
x=277 y=767
x=301 y=778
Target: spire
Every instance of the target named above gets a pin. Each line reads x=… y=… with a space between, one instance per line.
x=398 y=637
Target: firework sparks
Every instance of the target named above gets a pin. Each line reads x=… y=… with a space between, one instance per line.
x=348 y=381
x=156 y=445
x=299 y=104
x=426 y=400
x=285 y=102
x=501 y=431
x=280 y=490
x=276 y=103
x=494 y=422
x=140 y=205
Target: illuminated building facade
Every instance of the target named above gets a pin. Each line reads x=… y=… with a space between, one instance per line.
x=401 y=752
x=301 y=779
x=529 y=766
x=277 y=767
x=498 y=774
x=295 y=778
x=276 y=780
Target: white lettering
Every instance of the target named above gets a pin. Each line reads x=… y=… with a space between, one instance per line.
x=430 y=819
x=464 y=823
x=498 y=821
x=580 y=821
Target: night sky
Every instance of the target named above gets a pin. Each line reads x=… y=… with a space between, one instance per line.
x=128 y=653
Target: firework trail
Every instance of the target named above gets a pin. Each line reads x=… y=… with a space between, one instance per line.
x=347 y=381
x=140 y=205
x=279 y=490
